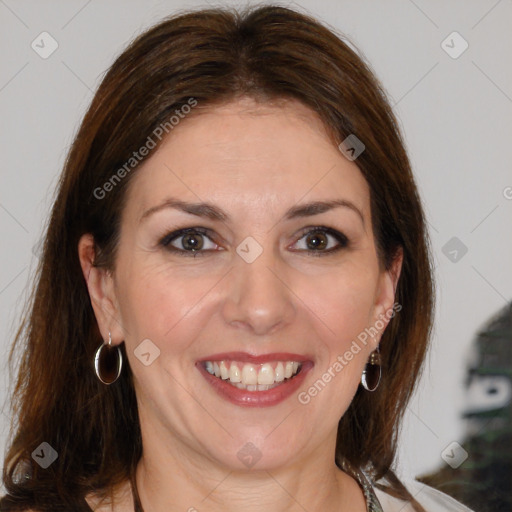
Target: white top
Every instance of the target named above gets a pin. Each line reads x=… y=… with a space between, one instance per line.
x=377 y=500
x=431 y=499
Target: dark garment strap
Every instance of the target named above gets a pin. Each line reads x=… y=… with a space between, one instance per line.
x=372 y=502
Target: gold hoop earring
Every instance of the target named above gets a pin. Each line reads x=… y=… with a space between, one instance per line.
x=372 y=373
x=108 y=362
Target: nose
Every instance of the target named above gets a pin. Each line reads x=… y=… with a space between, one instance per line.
x=258 y=297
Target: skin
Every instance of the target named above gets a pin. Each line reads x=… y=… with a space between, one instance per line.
x=254 y=161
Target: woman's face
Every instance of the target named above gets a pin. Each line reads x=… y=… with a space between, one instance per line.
x=278 y=266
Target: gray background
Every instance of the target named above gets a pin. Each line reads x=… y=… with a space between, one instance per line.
x=455 y=113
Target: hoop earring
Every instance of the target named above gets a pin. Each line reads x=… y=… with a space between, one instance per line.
x=372 y=373
x=108 y=362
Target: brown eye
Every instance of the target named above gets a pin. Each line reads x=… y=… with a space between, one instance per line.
x=189 y=241
x=192 y=242
x=321 y=240
x=316 y=240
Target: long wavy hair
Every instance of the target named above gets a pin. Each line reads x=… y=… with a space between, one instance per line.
x=213 y=56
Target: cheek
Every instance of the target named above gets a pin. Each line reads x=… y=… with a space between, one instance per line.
x=154 y=301
x=343 y=311
x=344 y=300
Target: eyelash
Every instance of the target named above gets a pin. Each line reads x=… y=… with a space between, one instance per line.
x=342 y=240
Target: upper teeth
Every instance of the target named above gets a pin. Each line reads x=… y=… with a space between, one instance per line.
x=258 y=375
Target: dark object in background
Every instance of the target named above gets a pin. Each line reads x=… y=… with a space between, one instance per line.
x=484 y=480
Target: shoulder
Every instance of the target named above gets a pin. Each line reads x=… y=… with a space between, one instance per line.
x=431 y=499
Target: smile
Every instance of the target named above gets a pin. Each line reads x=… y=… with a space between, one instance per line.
x=253 y=377
x=255 y=381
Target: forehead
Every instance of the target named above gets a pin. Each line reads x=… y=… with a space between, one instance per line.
x=250 y=155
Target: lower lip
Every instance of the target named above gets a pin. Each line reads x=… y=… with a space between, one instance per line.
x=266 y=398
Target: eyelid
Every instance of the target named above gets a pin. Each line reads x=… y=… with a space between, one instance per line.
x=165 y=241
x=342 y=239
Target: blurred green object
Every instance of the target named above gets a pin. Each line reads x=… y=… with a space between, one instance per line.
x=484 y=480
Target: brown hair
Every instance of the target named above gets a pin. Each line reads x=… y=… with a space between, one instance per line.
x=213 y=56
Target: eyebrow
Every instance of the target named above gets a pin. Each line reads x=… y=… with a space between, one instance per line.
x=212 y=212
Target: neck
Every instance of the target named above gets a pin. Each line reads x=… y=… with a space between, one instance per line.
x=273 y=491
x=175 y=478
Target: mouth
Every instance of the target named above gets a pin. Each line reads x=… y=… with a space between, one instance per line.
x=250 y=380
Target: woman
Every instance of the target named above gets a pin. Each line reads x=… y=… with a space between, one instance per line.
x=235 y=295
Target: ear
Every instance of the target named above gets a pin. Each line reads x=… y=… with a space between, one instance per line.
x=101 y=286
x=385 y=306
